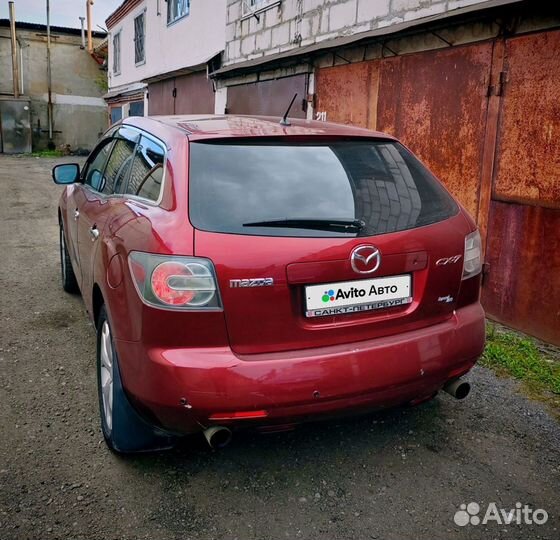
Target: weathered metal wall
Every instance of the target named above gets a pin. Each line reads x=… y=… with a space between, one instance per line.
x=348 y=94
x=528 y=159
x=522 y=287
x=270 y=98
x=485 y=117
x=523 y=247
x=435 y=102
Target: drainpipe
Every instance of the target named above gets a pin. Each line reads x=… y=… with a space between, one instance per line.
x=82 y=19
x=49 y=74
x=21 y=86
x=89 y=3
x=15 y=64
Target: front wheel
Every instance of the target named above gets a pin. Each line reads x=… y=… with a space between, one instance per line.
x=123 y=429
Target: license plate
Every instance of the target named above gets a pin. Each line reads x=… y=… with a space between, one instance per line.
x=358 y=295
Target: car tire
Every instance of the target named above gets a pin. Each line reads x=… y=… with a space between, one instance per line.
x=124 y=430
x=69 y=281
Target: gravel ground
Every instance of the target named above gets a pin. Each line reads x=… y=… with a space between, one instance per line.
x=393 y=475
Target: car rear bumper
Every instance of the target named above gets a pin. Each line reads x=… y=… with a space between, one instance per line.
x=180 y=389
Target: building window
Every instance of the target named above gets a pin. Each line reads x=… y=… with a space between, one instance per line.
x=177 y=9
x=136 y=108
x=252 y=6
x=116 y=114
x=117 y=53
x=139 y=38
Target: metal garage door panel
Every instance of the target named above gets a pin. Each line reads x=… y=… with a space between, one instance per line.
x=348 y=93
x=435 y=102
x=522 y=288
x=269 y=98
x=528 y=158
x=160 y=100
x=194 y=94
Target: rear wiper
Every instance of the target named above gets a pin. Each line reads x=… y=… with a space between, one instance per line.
x=337 y=224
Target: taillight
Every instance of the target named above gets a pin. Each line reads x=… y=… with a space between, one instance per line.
x=472 y=261
x=175 y=282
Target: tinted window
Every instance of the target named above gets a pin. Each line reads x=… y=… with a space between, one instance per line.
x=118 y=165
x=147 y=170
x=379 y=183
x=93 y=175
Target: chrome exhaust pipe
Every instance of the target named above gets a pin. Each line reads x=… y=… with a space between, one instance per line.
x=217 y=436
x=457 y=388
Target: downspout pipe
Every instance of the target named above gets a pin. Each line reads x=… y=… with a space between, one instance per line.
x=49 y=76
x=15 y=62
x=82 y=21
x=89 y=3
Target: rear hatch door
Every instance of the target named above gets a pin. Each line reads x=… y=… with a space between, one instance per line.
x=322 y=242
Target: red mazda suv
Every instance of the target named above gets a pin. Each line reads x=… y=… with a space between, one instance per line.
x=242 y=271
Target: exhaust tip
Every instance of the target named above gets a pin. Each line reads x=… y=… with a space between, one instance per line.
x=458 y=389
x=218 y=436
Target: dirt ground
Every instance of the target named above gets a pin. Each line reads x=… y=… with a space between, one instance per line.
x=394 y=475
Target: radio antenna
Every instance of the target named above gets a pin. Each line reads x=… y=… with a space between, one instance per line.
x=285 y=121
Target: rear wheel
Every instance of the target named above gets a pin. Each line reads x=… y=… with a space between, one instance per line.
x=123 y=429
x=69 y=282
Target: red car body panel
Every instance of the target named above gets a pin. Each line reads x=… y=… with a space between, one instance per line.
x=260 y=352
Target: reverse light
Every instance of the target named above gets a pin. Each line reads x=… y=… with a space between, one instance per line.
x=472 y=261
x=175 y=282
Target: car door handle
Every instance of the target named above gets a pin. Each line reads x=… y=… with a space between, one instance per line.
x=94 y=232
x=76 y=214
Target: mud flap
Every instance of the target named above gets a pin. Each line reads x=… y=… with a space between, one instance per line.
x=131 y=433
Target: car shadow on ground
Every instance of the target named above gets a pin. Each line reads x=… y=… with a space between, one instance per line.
x=354 y=435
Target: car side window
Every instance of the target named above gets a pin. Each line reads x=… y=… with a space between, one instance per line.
x=120 y=160
x=146 y=176
x=93 y=175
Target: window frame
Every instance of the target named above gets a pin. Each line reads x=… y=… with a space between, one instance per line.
x=163 y=148
x=143 y=15
x=170 y=22
x=105 y=141
x=124 y=180
x=118 y=35
x=112 y=135
x=248 y=10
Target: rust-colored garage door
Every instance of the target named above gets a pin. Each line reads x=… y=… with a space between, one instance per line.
x=436 y=103
x=269 y=98
x=188 y=94
x=160 y=97
x=523 y=249
x=194 y=94
x=347 y=94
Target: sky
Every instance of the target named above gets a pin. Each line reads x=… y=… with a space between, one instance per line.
x=63 y=12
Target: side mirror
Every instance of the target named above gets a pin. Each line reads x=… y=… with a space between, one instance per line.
x=68 y=173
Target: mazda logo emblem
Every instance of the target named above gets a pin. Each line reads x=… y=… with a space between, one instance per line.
x=365 y=259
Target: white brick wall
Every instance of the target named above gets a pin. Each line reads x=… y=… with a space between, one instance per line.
x=342 y=15
x=372 y=9
x=318 y=20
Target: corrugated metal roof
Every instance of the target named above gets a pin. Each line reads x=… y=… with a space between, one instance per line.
x=361 y=36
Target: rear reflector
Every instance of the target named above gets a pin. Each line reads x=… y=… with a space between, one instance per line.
x=240 y=415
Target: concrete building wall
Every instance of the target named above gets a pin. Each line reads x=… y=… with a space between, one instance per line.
x=186 y=42
x=79 y=112
x=288 y=24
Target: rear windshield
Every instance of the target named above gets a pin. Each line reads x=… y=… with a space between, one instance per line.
x=312 y=189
